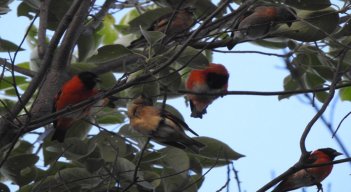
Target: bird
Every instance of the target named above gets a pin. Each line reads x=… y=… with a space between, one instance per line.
x=258 y=22
x=160 y=125
x=79 y=88
x=170 y=24
x=310 y=176
x=183 y=19
x=213 y=79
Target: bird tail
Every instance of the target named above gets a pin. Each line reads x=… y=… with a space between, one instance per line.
x=59 y=135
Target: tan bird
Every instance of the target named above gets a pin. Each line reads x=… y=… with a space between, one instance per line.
x=160 y=125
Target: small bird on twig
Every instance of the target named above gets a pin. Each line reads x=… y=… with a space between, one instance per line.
x=160 y=125
x=213 y=79
x=181 y=22
x=79 y=88
x=310 y=176
x=258 y=22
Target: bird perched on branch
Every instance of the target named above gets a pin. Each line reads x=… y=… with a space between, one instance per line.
x=310 y=176
x=258 y=22
x=79 y=88
x=213 y=79
x=171 y=24
x=160 y=125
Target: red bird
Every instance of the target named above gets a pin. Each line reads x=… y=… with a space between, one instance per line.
x=310 y=176
x=213 y=79
x=80 y=87
x=258 y=23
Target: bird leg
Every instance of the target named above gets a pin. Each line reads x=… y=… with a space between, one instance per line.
x=319 y=187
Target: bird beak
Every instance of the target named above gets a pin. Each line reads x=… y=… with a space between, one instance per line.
x=98 y=80
x=337 y=154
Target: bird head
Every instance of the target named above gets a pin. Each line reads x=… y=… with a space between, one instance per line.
x=142 y=100
x=286 y=15
x=332 y=153
x=89 y=79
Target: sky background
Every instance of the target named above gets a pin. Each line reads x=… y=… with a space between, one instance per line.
x=265 y=130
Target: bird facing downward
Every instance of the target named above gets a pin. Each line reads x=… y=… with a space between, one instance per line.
x=80 y=87
x=160 y=125
x=213 y=79
x=310 y=176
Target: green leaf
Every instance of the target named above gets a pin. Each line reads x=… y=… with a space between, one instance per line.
x=132 y=14
x=308 y=4
x=20 y=168
x=7 y=82
x=57 y=10
x=192 y=58
x=169 y=79
x=109 y=116
x=27 y=10
x=152 y=37
x=77 y=177
x=129 y=132
x=313 y=80
x=149 y=87
x=290 y=84
x=22 y=147
x=74 y=148
x=8 y=46
x=87 y=44
x=4 y=188
x=109 y=53
x=272 y=43
x=322 y=96
x=49 y=155
x=321 y=23
x=345 y=94
x=147 y=19
x=124 y=169
x=108 y=31
x=182 y=163
x=111 y=146
x=177 y=182
x=216 y=149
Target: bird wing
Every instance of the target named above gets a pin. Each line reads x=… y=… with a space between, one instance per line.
x=177 y=121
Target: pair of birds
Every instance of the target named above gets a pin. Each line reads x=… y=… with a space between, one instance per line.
x=167 y=129
x=255 y=23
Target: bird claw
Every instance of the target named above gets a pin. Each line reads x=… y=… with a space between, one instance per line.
x=319 y=187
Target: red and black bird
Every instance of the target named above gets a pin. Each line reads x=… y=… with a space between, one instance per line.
x=310 y=176
x=213 y=79
x=79 y=88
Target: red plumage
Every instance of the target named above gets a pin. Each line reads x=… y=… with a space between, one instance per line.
x=79 y=88
x=213 y=79
x=310 y=176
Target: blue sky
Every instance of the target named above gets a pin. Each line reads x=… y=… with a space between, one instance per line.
x=264 y=129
